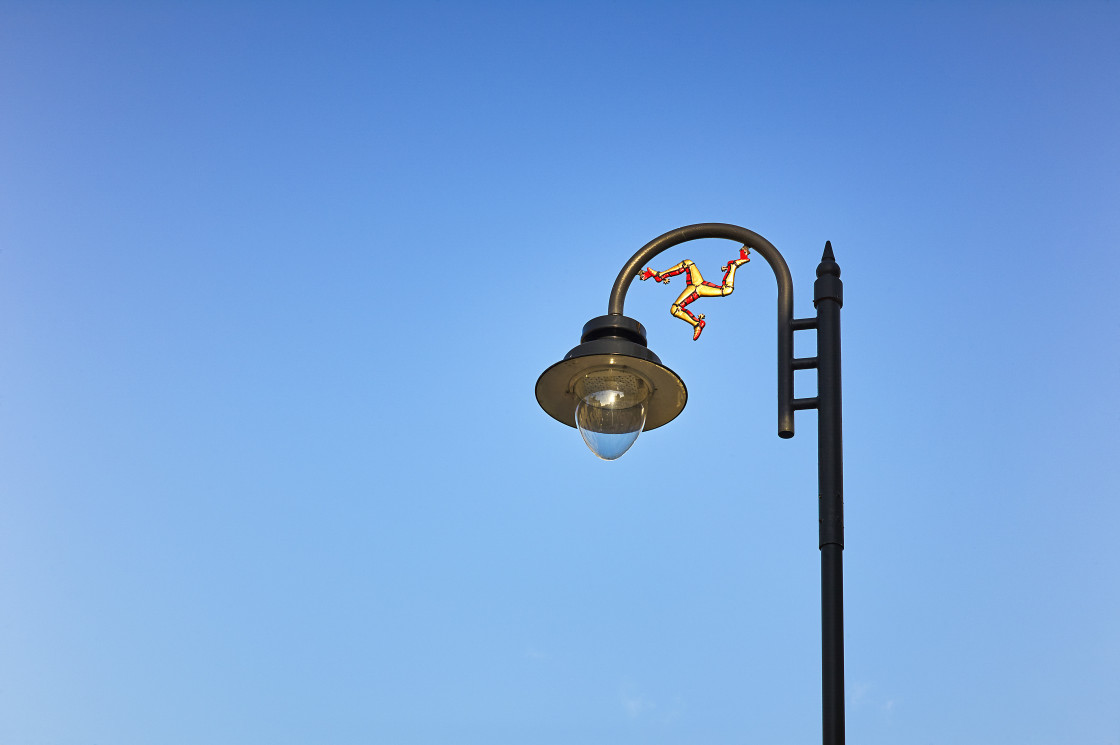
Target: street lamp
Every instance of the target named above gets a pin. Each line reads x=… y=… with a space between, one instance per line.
x=612 y=387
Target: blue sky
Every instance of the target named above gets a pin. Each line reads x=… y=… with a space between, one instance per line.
x=277 y=280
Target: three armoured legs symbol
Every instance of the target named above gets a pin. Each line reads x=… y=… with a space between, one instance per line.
x=697 y=287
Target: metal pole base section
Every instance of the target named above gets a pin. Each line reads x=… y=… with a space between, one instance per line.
x=832 y=643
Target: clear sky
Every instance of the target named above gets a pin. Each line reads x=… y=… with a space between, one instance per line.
x=277 y=280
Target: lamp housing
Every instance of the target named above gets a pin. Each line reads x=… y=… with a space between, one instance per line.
x=615 y=368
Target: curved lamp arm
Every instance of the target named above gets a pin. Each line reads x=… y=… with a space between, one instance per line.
x=773 y=257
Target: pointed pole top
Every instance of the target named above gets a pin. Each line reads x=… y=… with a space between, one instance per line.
x=828 y=263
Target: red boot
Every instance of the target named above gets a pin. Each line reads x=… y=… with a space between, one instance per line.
x=699 y=327
x=744 y=258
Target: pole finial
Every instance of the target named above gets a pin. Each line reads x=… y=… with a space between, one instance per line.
x=828 y=263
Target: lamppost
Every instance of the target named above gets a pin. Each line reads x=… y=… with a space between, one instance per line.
x=612 y=387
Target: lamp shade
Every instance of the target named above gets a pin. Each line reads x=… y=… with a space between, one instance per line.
x=614 y=367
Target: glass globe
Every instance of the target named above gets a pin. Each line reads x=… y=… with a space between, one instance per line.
x=611 y=412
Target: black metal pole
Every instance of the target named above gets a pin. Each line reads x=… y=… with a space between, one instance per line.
x=828 y=297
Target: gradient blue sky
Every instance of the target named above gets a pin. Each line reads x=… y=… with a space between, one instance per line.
x=277 y=280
